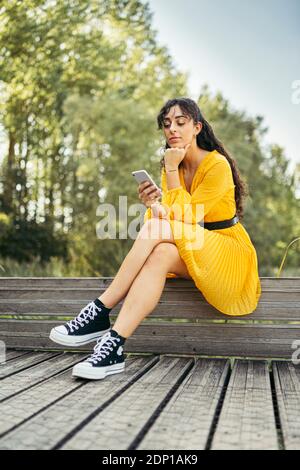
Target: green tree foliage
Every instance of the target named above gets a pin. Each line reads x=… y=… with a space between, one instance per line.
x=272 y=210
x=59 y=54
x=81 y=82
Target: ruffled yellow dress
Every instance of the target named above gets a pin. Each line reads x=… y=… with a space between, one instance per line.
x=222 y=263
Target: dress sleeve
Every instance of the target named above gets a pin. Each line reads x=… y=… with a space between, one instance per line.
x=148 y=214
x=192 y=208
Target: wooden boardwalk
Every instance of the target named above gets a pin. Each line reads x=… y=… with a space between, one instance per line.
x=194 y=378
x=159 y=402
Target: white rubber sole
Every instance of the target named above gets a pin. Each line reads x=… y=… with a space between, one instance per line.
x=66 y=340
x=96 y=373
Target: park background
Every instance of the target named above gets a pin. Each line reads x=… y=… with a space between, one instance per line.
x=81 y=84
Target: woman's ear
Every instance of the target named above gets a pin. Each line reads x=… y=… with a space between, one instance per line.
x=199 y=128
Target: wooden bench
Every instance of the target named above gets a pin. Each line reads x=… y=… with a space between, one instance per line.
x=194 y=378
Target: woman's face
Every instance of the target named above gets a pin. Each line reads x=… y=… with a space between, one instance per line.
x=176 y=124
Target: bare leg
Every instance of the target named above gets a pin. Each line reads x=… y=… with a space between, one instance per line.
x=153 y=232
x=137 y=305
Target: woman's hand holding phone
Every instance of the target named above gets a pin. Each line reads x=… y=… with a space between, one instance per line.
x=148 y=193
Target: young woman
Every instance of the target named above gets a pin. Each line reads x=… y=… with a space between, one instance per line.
x=194 y=233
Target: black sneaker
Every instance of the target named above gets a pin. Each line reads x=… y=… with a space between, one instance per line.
x=90 y=324
x=107 y=358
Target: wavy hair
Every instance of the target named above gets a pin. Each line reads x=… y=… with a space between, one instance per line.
x=206 y=140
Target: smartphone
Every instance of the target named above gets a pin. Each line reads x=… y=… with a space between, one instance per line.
x=143 y=175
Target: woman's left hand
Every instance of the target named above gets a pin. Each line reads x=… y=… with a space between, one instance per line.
x=173 y=156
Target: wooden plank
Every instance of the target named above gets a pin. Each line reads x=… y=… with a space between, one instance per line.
x=186 y=420
x=242 y=340
x=36 y=374
x=13 y=354
x=287 y=386
x=27 y=405
x=247 y=419
x=94 y=282
x=284 y=310
x=20 y=408
x=280 y=282
x=40 y=416
x=50 y=426
x=188 y=292
x=103 y=282
x=280 y=298
x=110 y=428
x=23 y=362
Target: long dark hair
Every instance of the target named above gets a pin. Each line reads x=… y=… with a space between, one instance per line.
x=206 y=140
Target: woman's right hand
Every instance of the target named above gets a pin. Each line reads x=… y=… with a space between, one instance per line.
x=148 y=193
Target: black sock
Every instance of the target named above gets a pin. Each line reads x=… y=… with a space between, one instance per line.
x=116 y=334
x=104 y=309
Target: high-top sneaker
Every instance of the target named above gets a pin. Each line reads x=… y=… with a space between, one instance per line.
x=90 y=324
x=107 y=358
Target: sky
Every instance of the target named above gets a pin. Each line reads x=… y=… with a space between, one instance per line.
x=247 y=50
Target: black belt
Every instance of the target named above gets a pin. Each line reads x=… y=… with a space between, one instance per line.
x=220 y=224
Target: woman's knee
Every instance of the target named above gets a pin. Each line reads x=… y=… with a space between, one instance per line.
x=167 y=255
x=164 y=253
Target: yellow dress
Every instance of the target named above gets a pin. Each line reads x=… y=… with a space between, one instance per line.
x=222 y=263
